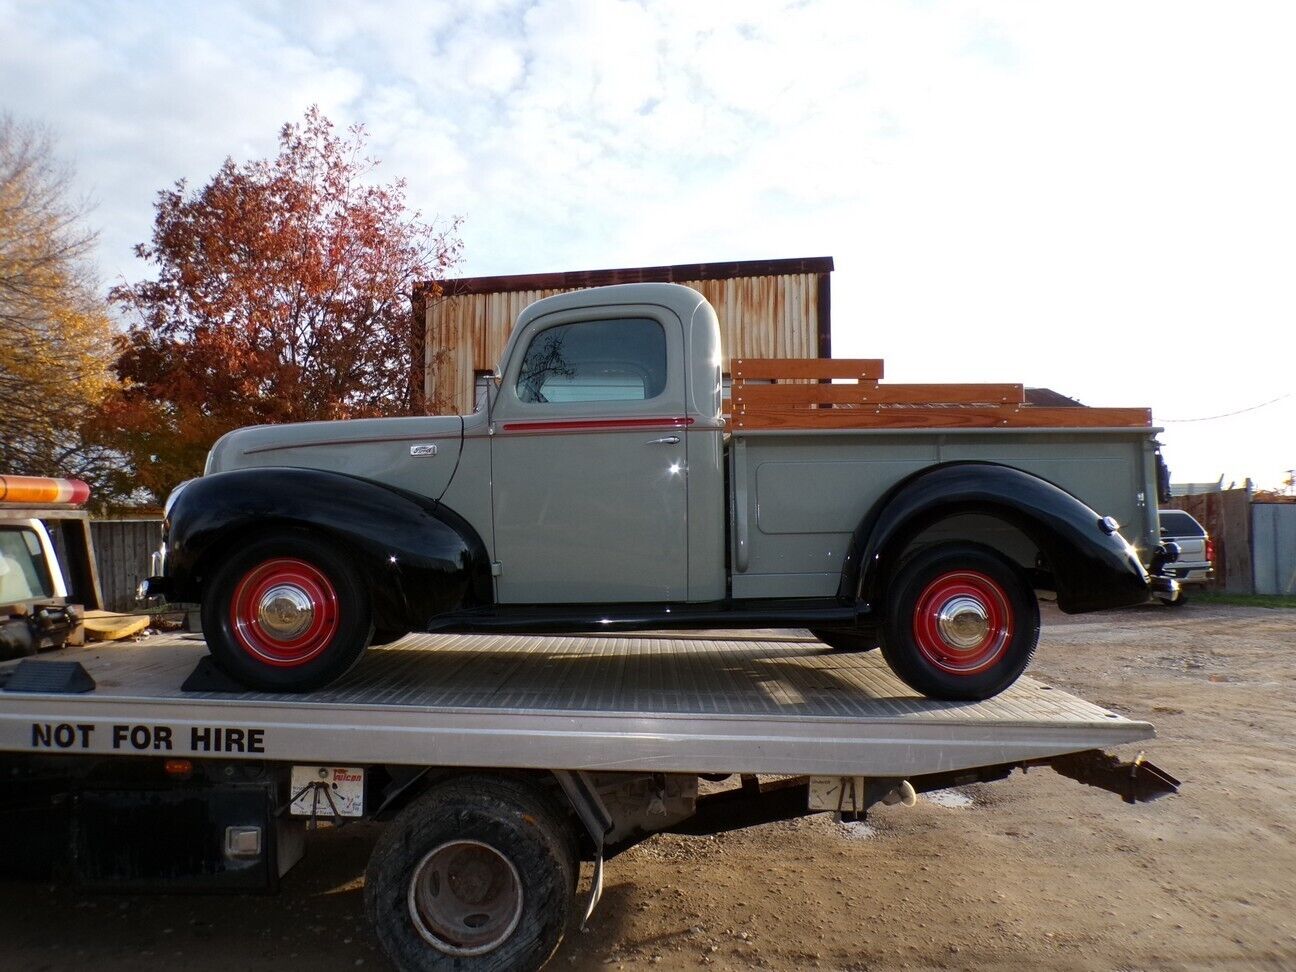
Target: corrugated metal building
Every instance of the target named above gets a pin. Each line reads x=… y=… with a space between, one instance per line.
x=767 y=309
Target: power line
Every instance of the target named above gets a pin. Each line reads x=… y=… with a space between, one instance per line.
x=1240 y=411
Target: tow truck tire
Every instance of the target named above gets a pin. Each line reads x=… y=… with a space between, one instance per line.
x=477 y=875
x=960 y=622
x=287 y=613
x=845 y=640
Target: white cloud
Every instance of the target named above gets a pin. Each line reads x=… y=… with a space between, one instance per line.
x=1095 y=197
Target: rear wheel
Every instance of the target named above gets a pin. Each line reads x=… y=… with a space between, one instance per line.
x=477 y=875
x=960 y=622
x=287 y=613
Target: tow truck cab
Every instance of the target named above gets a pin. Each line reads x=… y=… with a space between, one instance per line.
x=39 y=607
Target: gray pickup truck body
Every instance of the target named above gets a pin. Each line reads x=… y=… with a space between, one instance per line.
x=601 y=486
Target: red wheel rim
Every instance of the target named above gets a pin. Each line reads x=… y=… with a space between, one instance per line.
x=963 y=622
x=284 y=612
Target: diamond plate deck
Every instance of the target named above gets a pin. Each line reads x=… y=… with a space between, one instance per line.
x=769 y=703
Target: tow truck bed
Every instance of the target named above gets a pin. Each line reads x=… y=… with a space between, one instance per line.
x=768 y=703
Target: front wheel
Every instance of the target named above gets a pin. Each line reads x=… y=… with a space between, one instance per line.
x=477 y=875
x=286 y=613
x=960 y=622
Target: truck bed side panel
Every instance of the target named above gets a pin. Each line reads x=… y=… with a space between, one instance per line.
x=807 y=491
x=1105 y=473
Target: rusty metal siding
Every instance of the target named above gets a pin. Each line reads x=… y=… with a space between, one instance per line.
x=769 y=316
x=465 y=334
x=766 y=317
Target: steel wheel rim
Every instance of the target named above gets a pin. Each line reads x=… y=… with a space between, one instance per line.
x=963 y=622
x=284 y=612
x=465 y=898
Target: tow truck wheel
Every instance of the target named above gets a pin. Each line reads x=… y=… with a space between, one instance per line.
x=477 y=875
x=960 y=622
x=286 y=613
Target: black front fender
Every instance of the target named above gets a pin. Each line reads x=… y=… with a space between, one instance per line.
x=1092 y=569
x=418 y=558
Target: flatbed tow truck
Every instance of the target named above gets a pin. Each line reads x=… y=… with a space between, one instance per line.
x=502 y=762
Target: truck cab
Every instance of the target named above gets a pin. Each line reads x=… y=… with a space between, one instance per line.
x=37 y=609
x=605 y=439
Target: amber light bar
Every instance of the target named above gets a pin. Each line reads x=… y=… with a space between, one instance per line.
x=43 y=490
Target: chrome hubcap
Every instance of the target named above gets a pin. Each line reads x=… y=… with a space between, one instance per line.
x=285 y=612
x=465 y=898
x=963 y=622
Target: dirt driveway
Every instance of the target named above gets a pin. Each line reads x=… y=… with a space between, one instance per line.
x=1034 y=872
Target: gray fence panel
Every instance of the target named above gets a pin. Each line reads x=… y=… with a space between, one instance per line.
x=122 y=550
x=1273 y=532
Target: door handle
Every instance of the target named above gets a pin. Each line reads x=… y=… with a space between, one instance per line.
x=665 y=440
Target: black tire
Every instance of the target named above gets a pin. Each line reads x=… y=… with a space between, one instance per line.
x=846 y=639
x=1178 y=602
x=991 y=623
x=526 y=905
x=243 y=644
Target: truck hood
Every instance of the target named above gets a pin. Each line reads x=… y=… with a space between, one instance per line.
x=418 y=453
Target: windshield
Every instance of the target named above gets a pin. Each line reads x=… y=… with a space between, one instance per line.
x=23 y=572
x=1177 y=523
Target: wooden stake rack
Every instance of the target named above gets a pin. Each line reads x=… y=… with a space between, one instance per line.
x=796 y=393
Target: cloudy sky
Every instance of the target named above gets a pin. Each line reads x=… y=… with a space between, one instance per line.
x=1099 y=197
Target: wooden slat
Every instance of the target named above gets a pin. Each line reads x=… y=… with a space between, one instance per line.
x=994 y=416
x=748 y=369
x=872 y=392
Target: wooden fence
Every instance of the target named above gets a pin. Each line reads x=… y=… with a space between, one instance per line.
x=1227 y=517
x=1255 y=543
x=122 y=550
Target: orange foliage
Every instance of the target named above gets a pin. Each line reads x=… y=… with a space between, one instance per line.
x=282 y=294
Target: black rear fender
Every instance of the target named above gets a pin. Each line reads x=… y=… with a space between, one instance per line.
x=417 y=557
x=1089 y=568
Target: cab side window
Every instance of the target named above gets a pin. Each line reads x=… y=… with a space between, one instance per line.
x=595 y=361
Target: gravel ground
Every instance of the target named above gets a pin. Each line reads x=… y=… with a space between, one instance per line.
x=1033 y=872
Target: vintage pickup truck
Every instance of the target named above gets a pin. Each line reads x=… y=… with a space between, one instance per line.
x=609 y=482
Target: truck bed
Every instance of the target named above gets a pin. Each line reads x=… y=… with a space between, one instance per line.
x=777 y=702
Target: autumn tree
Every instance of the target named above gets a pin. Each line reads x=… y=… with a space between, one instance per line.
x=55 y=333
x=282 y=294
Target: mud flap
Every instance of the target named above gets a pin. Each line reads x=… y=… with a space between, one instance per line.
x=592 y=812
